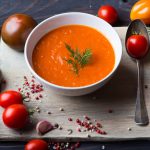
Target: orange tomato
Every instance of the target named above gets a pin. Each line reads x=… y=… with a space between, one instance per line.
x=141 y=10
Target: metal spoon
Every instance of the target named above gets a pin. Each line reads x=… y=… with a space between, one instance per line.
x=0 y=81
x=141 y=115
x=0 y=68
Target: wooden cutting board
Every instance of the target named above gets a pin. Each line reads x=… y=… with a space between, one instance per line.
x=119 y=95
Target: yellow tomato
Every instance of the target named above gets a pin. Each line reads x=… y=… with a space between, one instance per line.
x=141 y=10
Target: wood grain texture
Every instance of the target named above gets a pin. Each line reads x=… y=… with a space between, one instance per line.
x=124 y=13
x=42 y=9
x=119 y=94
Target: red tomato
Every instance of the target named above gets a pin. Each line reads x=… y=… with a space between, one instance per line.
x=137 y=46
x=36 y=145
x=8 y=98
x=15 y=116
x=108 y=13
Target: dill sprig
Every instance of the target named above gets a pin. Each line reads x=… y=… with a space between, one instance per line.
x=77 y=59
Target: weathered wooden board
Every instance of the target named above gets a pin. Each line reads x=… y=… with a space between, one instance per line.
x=119 y=94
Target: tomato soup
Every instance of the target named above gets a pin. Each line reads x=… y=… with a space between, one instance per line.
x=50 y=52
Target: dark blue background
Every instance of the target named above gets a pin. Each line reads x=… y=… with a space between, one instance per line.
x=41 y=9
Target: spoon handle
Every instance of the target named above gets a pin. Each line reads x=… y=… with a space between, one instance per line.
x=141 y=115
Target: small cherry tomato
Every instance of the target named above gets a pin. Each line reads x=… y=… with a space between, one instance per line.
x=36 y=145
x=108 y=13
x=137 y=46
x=8 y=98
x=15 y=116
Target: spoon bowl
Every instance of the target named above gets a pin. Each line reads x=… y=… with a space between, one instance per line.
x=137 y=27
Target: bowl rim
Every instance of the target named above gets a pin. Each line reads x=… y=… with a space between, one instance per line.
x=67 y=87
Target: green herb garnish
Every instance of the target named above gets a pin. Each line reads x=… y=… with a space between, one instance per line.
x=77 y=59
x=135 y=32
x=31 y=111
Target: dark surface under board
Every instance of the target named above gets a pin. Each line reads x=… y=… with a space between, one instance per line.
x=41 y=9
x=126 y=145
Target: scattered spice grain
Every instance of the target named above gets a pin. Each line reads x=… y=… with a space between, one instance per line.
x=61 y=109
x=31 y=89
x=110 y=111
x=70 y=131
x=129 y=129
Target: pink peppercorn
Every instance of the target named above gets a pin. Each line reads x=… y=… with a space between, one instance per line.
x=99 y=131
x=26 y=83
x=87 y=126
x=103 y=132
x=79 y=130
x=72 y=148
x=37 y=98
x=32 y=91
x=32 y=81
x=40 y=96
x=77 y=145
x=28 y=93
x=87 y=118
x=98 y=125
x=33 y=76
x=32 y=88
x=19 y=89
x=70 y=119
x=78 y=121
x=110 y=111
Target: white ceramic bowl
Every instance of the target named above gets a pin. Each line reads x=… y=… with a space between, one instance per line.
x=69 y=19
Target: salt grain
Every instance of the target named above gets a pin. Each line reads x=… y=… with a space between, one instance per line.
x=37 y=107
x=129 y=129
x=103 y=147
x=70 y=131
x=60 y=128
x=88 y=135
x=61 y=109
x=49 y=112
x=56 y=125
x=38 y=110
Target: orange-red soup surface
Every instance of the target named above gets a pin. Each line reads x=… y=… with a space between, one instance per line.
x=49 y=53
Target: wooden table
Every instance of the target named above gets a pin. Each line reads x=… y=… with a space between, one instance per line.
x=41 y=9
